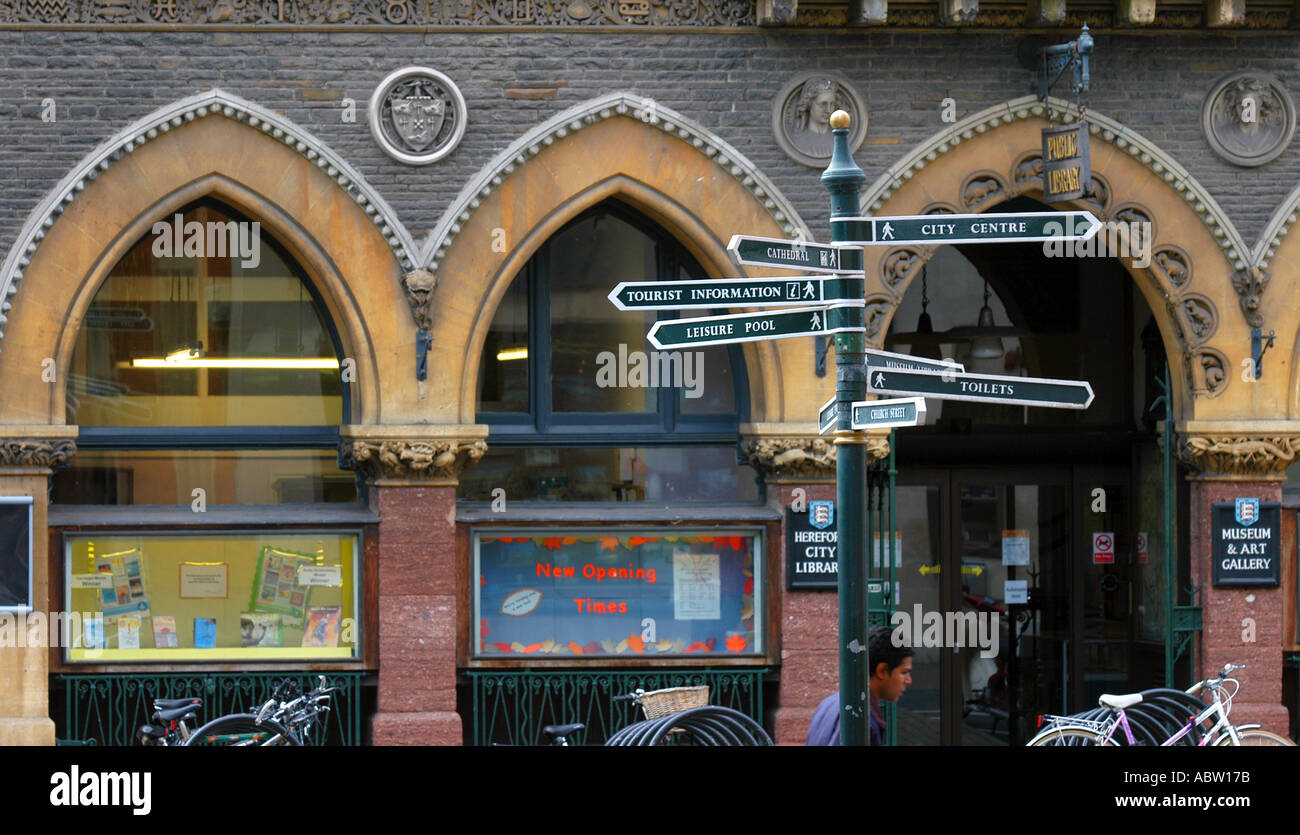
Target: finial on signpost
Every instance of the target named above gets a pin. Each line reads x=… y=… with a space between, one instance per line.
x=842 y=178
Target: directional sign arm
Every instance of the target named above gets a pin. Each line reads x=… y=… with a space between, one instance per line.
x=1021 y=227
x=735 y=292
x=748 y=250
x=751 y=327
x=981 y=388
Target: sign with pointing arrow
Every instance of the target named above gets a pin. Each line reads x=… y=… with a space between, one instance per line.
x=883 y=414
x=1024 y=227
x=747 y=250
x=826 y=417
x=753 y=327
x=888 y=359
x=735 y=292
x=981 y=388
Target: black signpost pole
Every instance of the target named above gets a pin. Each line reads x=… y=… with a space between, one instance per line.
x=842 y=179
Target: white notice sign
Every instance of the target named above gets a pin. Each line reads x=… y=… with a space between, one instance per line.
x=92 y=581
x=1015 y=591
x=878 y=557
x=320 y=575
x=697 y=586
x=1015 y=547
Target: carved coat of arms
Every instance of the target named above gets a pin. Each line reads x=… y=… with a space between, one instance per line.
x=417 y=115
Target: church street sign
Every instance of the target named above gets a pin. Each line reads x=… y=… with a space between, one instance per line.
x=735 y=292
x=1025 y=227
x=751 y=327
x=884 y=414
x=982 y=388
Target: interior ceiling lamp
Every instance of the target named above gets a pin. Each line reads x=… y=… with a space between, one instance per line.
x=923 y=323
x=519 y=353
x=986 y=347
x=193 y=356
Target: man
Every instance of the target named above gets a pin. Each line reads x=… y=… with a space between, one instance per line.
x=890 y=676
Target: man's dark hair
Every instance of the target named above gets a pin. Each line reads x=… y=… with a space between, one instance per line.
x=883 y=651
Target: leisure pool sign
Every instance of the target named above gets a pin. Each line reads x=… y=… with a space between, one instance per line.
x=1245 y=543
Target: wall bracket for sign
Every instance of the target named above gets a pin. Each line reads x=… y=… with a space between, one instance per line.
x=1053 y=61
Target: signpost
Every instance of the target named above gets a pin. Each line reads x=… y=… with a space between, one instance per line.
x=845 y=317
x=749 y=251
x=886 y=414
x=982 y=388
x=735 y=292
x=1024 y=227
x=886 y=359
x=826 y=417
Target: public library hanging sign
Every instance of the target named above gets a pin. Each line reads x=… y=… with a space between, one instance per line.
x=1245 y=538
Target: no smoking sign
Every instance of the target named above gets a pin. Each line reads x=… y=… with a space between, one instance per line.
x=1103 y=548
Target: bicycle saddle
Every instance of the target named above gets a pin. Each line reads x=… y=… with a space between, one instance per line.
x=182 y=712
x=1120 y=701
x=172 y=704
x=562 y=730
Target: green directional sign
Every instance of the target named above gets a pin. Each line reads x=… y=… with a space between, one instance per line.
x=738 y=292
x=883 y=414
x=826 y=417
x=750 y=251
x=888 y=359
x=1024 y=227
x=981 y=388
x=752 y=327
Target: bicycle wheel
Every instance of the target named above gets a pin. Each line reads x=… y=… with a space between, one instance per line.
x=1256 y=738
x=241 y=730
x=1067 y=735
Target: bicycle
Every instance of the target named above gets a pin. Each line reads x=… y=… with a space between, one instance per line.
x=1074 y=730
x=284 y=720
x=675 y=716
x=172 y=718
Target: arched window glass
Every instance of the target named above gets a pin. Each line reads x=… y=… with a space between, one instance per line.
x=581 y=406
x=206 y=360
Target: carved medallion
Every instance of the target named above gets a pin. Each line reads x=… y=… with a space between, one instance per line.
x=801 y=116
x=417 y=115
x=1248 y=118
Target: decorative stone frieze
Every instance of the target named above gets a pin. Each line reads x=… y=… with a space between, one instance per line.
x=398 y=455
x=791 y=452
x=1238 y=456
x=37 y=448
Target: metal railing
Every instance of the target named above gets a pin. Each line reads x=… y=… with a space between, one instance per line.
x=107 y=709
x=511 y=707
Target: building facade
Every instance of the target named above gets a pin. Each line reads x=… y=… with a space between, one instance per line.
x=317 y=403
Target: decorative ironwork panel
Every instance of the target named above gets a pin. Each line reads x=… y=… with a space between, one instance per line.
x=109 y=708
x=511 y=707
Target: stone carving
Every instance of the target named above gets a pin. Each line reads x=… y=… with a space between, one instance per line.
x=875 y=313
x=1028 y=171
x=1207 y=371
x=1133 y=213
x=1100 y=194
x=419 y=286
x=939 y=209
x=802 y=111
x=899 y=265
x=1173 y=265
x=407 y=460
x=792 y=457
x=1249 y=284
x=1248 y=118
x=981 y=188
x=36 y=453
x=1200 y=315
x=417 y=115
x=1240 y=456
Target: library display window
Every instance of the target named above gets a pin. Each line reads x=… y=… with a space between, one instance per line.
x=559 y=594
x=201 y=597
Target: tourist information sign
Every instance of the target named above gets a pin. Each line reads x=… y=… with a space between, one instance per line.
x=982 y=388
x=735 y=292
x=883 y=414
x=845 y=317
x=1024 y=227
x=750 y=251
x=887 y=359
x=826 y=417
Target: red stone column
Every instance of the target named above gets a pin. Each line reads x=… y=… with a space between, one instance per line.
x=417 y=616
x=411 y=472
x=1227 y=612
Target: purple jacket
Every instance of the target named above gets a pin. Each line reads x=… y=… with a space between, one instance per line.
x=825 y=726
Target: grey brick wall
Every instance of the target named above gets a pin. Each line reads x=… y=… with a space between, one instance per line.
x=102 y=80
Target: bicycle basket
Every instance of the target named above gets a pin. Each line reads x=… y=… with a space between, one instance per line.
x=658 y=703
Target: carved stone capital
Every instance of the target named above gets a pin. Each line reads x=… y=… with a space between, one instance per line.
x=1238 y=456
x=789 y=452
x=419 y=286
x=411 y=455
x=37 y=448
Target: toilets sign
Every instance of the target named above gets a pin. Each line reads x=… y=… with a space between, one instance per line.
x=1245 y=543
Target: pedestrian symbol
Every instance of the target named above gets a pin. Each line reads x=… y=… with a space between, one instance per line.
x=816 y=321
x=887 y=234
x=809 y=292
x=880 y=379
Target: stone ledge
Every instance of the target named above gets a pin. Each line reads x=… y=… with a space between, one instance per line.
x=26 y=731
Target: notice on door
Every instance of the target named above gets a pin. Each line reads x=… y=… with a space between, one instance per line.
x=1015 y=547
x=1103 y=548
x=1244 y=543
